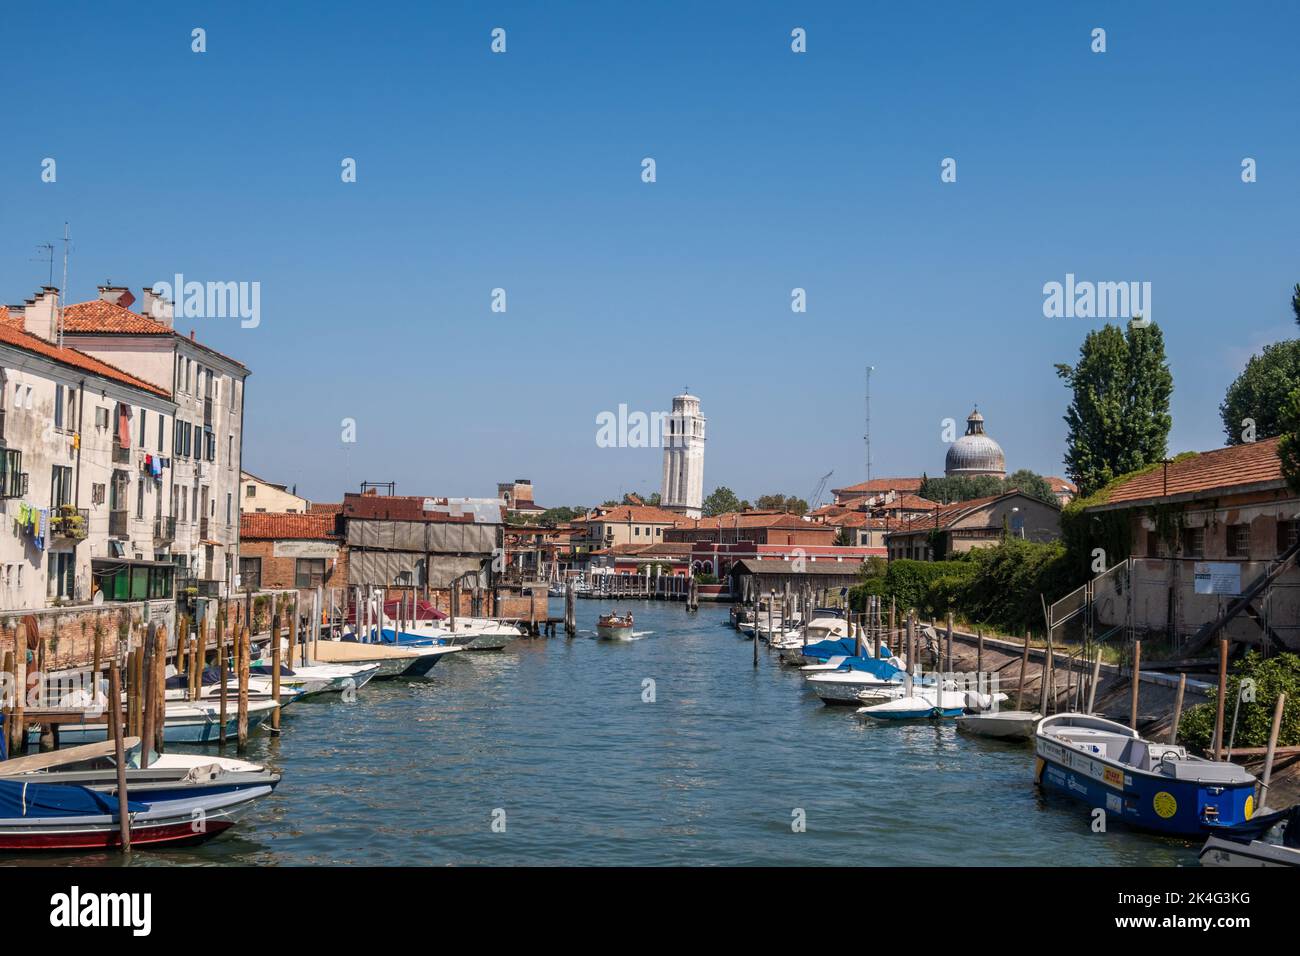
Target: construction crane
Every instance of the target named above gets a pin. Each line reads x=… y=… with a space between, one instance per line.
x=815 y=499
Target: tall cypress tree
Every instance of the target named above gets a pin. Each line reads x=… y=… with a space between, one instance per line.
x=1119 y=416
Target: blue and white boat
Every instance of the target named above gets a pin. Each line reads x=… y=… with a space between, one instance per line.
x=1145 y=784
x=187 y=722
x=856 y=674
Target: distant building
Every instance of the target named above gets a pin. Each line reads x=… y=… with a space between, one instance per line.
x=772 y=574
x=258 y=495
x=518 y=497
x=603 y=528
x=975 y=453
x=1065 y=491
x=290 y=550
x=977 y=523
x=683 y=484
x=877 y=486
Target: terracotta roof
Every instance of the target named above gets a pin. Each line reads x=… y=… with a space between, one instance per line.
x=15 y=336
x=631 y=514
x=271 y=525
x=948 y=515
x=824 y=566
x=324 y=508
x=100 y=317
x=398 y=508
x=880 y=485
x=105 y=317
x=748 y=519
x=860 y=519
x=1220 y=470
x=1061 y=484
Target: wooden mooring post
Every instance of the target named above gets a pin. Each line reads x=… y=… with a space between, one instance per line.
x=221 y=668
x=241 y=667
x=275 y=672
x=1136 y=686
x=1272 y=749
x=1177 y=716
x=1223 y=691
x=119 y=755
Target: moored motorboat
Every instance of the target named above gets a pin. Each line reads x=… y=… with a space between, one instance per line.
x=1145 y=784
x=393 y=660
x=42 y=816
x=313 y=679
x=186 y=722
x=614 y=627
x=1004 y=724
x=1246 y=844
x=921 y=704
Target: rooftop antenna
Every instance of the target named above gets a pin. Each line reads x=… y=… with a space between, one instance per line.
x=867 y=436
x=47 y=254
x=63 y=293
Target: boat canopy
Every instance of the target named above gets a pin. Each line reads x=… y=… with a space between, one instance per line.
x=19 y=800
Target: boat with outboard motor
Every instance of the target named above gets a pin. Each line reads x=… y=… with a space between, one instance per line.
x=1150 y=785
x=614 y=627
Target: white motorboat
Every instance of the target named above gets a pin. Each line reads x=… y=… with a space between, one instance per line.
x=1004 y=724
x=186 y=722
x=844 y=686
x=392 y=660
x=827 y=628
x=312 y=679
x=1268 y=839
x=614 y=627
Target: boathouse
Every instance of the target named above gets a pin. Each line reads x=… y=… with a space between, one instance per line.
x=770 y=574
x=1213 y=541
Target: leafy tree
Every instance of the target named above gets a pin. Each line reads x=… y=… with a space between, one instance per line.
x=655 y=499
x=960 y=488
x=1275 y=675
x=1261 y=391
x=791 y=505
x=721 y=501
x=1295 y=303
x=1288 y=449
x=1031 y=483
x=562 y=514
x=1119 y=415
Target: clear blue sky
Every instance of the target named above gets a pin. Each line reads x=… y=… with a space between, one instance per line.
x=775 y=170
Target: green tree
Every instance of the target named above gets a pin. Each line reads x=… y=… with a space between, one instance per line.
x=561 y=514
x=1118 y=417
x=721 y=501
x=790 y=505
x=1288 y=449
x=1295 y=303
x=947 y=491
x=1031 y=483
x=1260 y=393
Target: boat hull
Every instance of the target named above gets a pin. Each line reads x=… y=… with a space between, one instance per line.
x=1143 y=800
x=107 y=836
x=198 y=729
x=607 y=633
x=1003 y=725
x=1220 y=852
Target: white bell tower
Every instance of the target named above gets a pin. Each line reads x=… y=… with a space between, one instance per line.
x=683 y=487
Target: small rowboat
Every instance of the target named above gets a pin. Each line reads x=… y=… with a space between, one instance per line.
x=1005 y=724
x=614 y=627
x=37 y=816
x=1154 y=786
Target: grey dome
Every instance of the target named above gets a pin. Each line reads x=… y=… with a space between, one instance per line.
x=975 y=453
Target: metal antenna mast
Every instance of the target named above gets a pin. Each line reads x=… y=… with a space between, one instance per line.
x=63 y=293
x=47 y=255
x=867 y=436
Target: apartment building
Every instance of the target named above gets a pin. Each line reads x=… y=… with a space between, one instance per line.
x=83 y=470
x=205 y=442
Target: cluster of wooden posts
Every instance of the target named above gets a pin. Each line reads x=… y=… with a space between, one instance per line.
x=134 y=667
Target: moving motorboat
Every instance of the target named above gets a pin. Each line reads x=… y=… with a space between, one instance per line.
x=614 y=627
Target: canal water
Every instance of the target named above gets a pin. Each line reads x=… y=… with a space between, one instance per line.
x=577 y=759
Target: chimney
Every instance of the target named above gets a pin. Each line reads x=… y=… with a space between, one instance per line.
x=116 y=294
x=41 y=314
x=157 y=307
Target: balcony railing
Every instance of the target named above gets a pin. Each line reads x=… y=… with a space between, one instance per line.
x=164 y=528
x=121 y=456
x=117 y=521
x=70 y=523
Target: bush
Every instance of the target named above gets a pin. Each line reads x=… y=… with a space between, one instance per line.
x=1272 y=676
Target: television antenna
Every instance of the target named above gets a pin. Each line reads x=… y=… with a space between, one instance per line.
x=867 y=437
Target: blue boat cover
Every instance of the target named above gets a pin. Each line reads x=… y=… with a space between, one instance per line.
x=210 y=676
x=38 y=800
x=879 y=668
x=832 y=648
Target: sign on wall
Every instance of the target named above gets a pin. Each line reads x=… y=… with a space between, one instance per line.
x=305 y=549
x=1217 y=577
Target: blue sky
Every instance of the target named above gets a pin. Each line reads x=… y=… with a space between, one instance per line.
x=774 y=171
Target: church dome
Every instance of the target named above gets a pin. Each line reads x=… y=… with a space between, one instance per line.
x=975 y=453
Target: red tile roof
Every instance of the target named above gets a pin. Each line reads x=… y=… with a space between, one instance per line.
x=324 y=508
x=105 y=317
x=398 y=508
x=749 y=519
x=631 y=514
x=15 y=336
x=945 y=516
x=270 y=525
x=1061 y=484
x=878 y=486
x=1220 y=470
x=100 y=317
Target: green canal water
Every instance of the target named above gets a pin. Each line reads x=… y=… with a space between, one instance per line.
x=554 y=739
